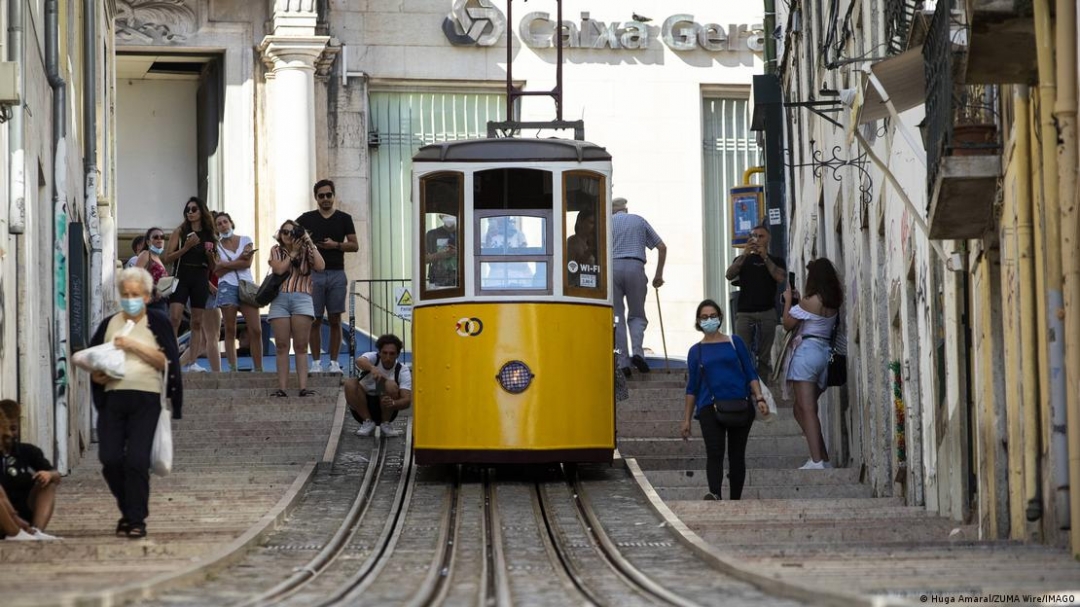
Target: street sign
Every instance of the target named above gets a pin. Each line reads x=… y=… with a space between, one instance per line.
x=746 y=210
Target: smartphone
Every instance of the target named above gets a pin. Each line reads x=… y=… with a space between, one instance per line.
x=791 y=281
x=253 y=251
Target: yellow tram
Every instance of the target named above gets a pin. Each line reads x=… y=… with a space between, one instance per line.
x=512 y=317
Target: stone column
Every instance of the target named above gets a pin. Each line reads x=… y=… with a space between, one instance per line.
x=293 y=61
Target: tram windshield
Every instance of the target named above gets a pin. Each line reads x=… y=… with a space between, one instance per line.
x=513 y=231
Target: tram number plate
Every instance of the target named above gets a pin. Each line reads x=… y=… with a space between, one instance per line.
x=588 y=281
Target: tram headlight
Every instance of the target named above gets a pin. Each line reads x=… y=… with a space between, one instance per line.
x=514 y=377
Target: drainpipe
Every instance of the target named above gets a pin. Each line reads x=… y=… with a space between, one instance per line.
x=770 y=40
x=1025 y=272
x=1048 y=260
x=17 y=168
x=90 y=170
x=1065 y=111
x=60 y=236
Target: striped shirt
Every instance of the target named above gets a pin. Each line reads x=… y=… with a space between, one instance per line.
x=630 y=235
x=299 y=280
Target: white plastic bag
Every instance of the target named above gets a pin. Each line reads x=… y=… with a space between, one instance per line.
x=105 y=357
x=161 y=451
x=770 y=401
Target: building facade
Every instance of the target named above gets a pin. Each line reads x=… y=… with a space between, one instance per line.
x=929 y=150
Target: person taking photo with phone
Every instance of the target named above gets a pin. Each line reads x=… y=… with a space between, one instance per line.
x=757 y=274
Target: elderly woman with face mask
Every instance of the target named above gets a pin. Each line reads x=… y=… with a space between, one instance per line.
x=128 y=408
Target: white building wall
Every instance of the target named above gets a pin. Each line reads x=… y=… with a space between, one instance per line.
x=158 y=166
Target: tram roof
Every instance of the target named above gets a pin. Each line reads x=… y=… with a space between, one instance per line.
x=511 y=149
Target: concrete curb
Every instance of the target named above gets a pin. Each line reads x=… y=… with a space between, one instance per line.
x=195 y=572
x=335 y=434
x=726 y=564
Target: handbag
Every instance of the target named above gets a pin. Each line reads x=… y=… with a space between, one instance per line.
x=247 y=291
x=161 y=450
x=270 y=287
x=166 y=286
x=736 y=412
x=836 y=372
x=766 y=393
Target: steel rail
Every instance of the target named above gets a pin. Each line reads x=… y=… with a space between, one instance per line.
x=496 y=582
x=620 y=563
x=338 y=541
x=553 y=542
x=348 y=592
x=435 y=585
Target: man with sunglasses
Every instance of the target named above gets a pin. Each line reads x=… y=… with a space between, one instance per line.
x=334 y=234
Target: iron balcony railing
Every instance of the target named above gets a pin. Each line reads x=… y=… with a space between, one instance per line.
x=898 y=17
x=937 y=58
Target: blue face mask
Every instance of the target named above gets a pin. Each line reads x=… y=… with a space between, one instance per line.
x=132 y=306
x=710 y=325
x=225 y=235
x=157 y=250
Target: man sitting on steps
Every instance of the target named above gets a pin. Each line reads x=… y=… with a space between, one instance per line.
x=383 y=388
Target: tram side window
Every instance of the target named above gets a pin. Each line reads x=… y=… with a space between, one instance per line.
x=441 y=210
x=586 y=225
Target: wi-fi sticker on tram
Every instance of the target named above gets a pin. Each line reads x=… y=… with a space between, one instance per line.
x=470 y=327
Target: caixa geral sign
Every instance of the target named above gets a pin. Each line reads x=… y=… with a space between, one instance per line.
x=481 y=23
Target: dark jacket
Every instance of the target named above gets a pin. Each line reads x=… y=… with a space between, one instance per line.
x=162 y=329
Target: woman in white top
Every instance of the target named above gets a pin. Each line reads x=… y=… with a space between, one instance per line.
x=235 y=253
x=815 y=316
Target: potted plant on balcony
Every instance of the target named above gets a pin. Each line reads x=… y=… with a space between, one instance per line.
x=974 y=130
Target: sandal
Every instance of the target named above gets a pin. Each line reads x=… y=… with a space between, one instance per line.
x=306 y=392
x=122 y=526
x=279 y=394
x=136 y=531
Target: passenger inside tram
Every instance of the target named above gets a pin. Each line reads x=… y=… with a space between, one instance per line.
x=440 y=245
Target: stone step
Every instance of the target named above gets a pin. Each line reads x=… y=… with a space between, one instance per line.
x=757 y=476
x=823 y=532
x=658 y=425
x=697 y=462
x=231 y=394
x=213 y=381
x=690 y=509
x=796 y=510
x=769 y=492
x=782 y=446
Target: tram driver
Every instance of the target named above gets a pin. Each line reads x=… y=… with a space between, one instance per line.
x=383 y=388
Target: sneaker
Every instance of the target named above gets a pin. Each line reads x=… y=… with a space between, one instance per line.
x=640 y=364
x=41 y=535
x=812 y=465
x=315 y=367
x=195 y=368
x=366 y=428
x=334 y=367
x=22 y=536
x=388 y=430
x=826 y=464
x=710 y=497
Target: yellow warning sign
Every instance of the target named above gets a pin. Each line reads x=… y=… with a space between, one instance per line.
x=403 y=303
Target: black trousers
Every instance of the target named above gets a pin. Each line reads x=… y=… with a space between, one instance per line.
x=715 y=435
x=126 y=427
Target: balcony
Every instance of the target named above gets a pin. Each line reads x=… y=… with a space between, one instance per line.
x=962 y=135
x=1001 y=42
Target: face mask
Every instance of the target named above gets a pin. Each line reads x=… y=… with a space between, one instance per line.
x=225 y=235
x=157 y=250
x=711 y=325
x=450 y=222
x=132 y=305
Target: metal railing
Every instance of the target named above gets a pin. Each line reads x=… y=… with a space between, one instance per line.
x=938 y=60
x=898 y=17
x=380 y=300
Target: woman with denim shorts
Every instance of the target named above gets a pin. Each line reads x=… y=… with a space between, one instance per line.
x=292 y=311
x=813 y=318
x=235 y=253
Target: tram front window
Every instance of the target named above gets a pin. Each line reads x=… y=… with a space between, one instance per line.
x=509 y=248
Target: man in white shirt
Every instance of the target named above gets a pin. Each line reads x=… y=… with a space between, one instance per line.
x=630 y=236
x=383 y=388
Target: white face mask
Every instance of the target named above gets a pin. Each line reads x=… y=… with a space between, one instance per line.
x=225 y=235
x=449 y=222
x=710 y=325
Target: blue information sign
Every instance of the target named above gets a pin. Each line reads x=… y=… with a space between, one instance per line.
x=746 y=210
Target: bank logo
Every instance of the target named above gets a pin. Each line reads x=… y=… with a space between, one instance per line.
x=474 y=23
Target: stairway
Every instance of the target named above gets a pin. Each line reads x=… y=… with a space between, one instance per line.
x=237 y=453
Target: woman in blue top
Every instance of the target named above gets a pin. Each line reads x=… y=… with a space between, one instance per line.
x=720 y=368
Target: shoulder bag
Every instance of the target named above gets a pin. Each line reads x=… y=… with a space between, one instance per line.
x=270 y=287
x=246 y=290
x=836 y=374
x=736 y=412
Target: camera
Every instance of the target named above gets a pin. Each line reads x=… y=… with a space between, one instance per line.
x=297 y=232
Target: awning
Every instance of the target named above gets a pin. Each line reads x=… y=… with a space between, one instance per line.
x=904 y=79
